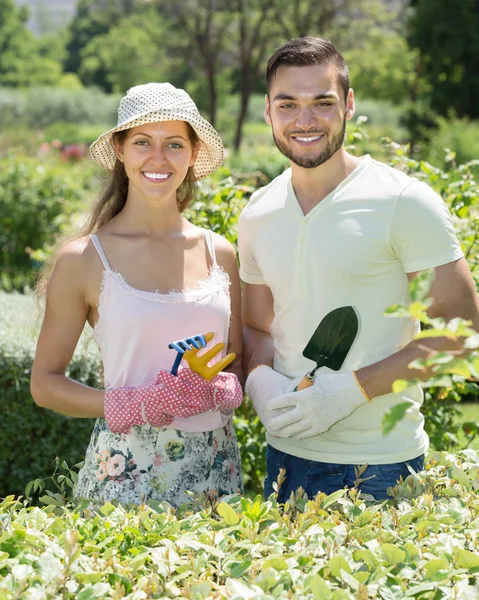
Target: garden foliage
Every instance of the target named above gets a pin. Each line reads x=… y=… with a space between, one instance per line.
x=35 y=204
x=337 y=547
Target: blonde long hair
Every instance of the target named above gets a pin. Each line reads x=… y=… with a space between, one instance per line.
x=111 y=202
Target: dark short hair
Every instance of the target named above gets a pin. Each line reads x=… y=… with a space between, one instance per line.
x=305 y=52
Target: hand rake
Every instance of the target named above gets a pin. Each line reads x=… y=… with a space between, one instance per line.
x=188 y=348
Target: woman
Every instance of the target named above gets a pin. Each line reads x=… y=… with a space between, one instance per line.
x=144 y=277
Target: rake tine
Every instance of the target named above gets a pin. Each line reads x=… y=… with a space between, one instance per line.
x=193 y=343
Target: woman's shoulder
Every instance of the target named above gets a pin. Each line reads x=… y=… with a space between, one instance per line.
x=225 y=254
x=76 y=258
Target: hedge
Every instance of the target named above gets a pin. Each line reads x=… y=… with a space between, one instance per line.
x=337 y=547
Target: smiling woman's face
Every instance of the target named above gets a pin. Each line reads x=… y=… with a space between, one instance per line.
x=157 y=157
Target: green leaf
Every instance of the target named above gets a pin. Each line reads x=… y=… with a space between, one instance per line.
x=400 y=385
x=394 y=415
x=435 y=565
x=336 y=564
x=466 y=559
x=88 y=577
x=204 y=589
x=239 y=569
x=350 y=580
x=420 y=285
x=51 y=501
x=122 y=580
x=392 y=554
x=319 y=588
x=241 y=589
x=278 y=564
x=419 y=589
x=228 y=514
x=107 y=509
x=461 y=476
x=332 y=498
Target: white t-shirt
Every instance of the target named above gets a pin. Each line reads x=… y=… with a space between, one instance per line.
x=353 y=248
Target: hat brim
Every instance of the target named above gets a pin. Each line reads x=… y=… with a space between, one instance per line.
x=210 y=152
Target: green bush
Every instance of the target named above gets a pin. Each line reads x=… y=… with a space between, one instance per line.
x=461 y=135
x=73 y=133
x=38 y=107
x=337 y=547
x=32 y=437
x=35 y=205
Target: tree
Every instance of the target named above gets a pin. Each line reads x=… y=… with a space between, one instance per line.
x=255 y=32
x=95 y=18
x=21 y=64
x=445 y=33
x=297 y=18
x=132 y=52
x=206 y=25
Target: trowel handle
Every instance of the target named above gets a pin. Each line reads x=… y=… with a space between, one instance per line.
x=304 y=383
x=307 y=381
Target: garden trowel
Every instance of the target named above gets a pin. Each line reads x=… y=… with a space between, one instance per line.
x=331 y=342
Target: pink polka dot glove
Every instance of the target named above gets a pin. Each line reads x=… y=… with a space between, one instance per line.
x=223 y=392
x=129 y=406
x=156 y=402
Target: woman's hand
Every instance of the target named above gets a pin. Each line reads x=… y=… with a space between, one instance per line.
x=223 y=392
x=161 y=399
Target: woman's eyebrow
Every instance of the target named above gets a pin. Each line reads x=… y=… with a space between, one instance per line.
x=149 y=136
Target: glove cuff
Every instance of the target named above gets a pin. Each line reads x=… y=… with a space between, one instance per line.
x=361 y=387
x=259 y=380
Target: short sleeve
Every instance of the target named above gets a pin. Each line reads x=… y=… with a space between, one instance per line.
x=249 y=269
x=422 y=232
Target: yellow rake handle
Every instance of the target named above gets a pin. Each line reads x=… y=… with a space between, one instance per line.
x=199 y=364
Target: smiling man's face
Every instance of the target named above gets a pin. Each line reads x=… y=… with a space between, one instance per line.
x=307 y=111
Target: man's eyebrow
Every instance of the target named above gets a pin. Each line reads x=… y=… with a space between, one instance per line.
x=282 y=96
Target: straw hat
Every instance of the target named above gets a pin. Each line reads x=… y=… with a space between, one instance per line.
x=155 y=102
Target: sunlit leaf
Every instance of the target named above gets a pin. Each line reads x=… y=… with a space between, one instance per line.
x=419 y=287
x=319 y=588
x=392 y=554
x=466 y=559
x=431 y=567
x=332 y=498
x=394 y=415
x=227 y=513
x=278 y=564
x=336 y=564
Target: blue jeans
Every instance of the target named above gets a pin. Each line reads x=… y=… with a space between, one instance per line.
x=316 y=477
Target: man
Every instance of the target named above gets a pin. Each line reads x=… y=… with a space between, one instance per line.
x=336 y=230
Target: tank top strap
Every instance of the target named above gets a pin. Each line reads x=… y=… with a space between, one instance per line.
x=99 y=249
x=210 y=244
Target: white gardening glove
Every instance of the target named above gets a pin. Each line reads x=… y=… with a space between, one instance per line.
x=314 y=410
x=262 y=384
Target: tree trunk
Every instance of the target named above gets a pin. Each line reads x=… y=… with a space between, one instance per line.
x=245 y=96
x=213 y=94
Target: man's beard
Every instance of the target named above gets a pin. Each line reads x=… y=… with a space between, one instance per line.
x=312 y=162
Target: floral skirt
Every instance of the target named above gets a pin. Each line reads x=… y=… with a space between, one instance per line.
x=159 y=464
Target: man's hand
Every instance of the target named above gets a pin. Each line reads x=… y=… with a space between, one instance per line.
x=314 y=410
x=262 y=385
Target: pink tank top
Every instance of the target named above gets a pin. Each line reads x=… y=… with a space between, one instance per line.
x=135 y=327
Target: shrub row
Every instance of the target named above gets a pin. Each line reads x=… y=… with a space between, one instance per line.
x=38 y=107
x=337 y=547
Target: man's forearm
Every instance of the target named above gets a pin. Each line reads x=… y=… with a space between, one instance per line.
x=377 y=379
x=258 y=349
